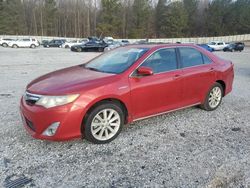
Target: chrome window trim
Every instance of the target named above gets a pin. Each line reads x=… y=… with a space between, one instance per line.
x=178 y=68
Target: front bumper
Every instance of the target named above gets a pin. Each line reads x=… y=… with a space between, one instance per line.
x=37 y=119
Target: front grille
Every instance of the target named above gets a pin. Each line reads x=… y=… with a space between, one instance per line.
x=30 y=125
x=30 y=98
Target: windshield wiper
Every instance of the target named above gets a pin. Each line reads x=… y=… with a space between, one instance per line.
x=94 y=69
x=98 y=70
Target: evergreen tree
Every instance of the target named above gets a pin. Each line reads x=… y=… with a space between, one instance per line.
x=50 y=14
x=191 y=9
x=172 y=20
x=140 y=19
x=110 y=20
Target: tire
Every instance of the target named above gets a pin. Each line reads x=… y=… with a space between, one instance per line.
x=14 y=46
x=32 y=46
x=213 y=100
x=100 y=49
x=79 y=50
x=93 y=122
x=67 y=46
x=5 y=45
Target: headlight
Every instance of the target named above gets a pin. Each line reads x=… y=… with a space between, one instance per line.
x=52 y=101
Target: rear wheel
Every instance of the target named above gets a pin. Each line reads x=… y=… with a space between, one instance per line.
x=213 y=98
x=79 y=50
x=14 y=46
x=104 y=123
x=5 y=45
x=32 y=45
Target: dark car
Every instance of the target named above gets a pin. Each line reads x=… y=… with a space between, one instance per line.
x=93 y=45
x=205 y=46
x=238 y=46
x=125 y=42
x=54 y=43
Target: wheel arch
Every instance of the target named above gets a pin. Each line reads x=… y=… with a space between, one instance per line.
x=223 y=84
x=102 y=101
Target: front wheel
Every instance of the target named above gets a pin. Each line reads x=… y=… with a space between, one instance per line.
x=213 y=98
x=14 y=46
x=104 y=123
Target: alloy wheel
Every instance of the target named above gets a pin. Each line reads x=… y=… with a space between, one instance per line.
x=105 y=124
x=215 y=97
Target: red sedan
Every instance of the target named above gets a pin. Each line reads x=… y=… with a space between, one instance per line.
x=96 y=99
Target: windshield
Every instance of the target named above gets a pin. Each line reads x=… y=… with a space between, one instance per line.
x=212 y=43
x=116 y=61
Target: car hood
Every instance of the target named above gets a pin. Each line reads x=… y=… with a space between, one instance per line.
x=69 y=80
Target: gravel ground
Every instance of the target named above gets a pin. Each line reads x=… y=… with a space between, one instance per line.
x=187 y=148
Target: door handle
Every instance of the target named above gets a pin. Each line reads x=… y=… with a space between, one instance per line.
x=211 y=69
x=177 y=76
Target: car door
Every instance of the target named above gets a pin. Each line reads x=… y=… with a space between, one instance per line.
x=89 y=45
x=51 y=43
x=26 y=43
x=158 y=92
x=221 y=45
x=20 y=43
x=57 y=43
x=198 y=75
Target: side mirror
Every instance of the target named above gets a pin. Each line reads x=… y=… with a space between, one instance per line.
x=144 y=71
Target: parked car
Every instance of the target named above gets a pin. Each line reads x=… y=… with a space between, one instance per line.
x=238 y=46
x=94 y=45
x=113 y=45
x=217 y=45
x=54 y=43
x=125 y=42
x=4 y=41
x=44 y=42
x=108 y=39
x=96 y=99
x=74 y=42
x=24 y=43
x=205 y=46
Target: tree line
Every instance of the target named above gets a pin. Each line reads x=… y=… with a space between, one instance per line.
x=125 y=18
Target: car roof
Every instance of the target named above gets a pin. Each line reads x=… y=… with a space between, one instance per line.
x=157 y=46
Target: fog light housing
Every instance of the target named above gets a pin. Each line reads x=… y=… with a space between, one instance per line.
x=51 y=130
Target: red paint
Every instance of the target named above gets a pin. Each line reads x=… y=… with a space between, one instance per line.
x=142 y=96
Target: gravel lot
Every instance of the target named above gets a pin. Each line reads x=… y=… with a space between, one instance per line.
x=187 y=148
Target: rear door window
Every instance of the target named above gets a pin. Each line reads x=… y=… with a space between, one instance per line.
x=190 y=57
